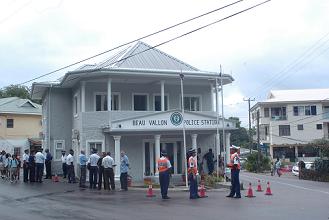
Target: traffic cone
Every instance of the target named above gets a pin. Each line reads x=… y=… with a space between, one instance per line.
x=250 y=193
x=150 y=191
x=259 y=187
x=268 y=190
x=55 y=178
x=202 y=191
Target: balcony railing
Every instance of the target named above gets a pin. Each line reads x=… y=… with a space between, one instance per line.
x=279 y=118
x=325 y=116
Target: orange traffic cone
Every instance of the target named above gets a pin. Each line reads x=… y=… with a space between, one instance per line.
x=55 y=178
x=259 y=187
x=150 y=192
x=268 y=190
x=250 y=193
x=202 y=191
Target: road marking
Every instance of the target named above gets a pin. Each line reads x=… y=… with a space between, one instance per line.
x=288 y=184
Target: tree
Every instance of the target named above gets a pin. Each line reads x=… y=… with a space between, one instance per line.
x=240 y=136
x=15 y=91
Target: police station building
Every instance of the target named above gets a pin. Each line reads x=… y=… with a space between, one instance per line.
x=132 y=102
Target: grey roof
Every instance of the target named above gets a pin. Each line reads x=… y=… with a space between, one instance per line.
x=141 y=56
x=15 y=105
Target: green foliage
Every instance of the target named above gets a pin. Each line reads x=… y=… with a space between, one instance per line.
x=15 y=91
x=252 y=164
x=211 y=180
x=323 y=146
x=239 y=137
x=314 y=175
x=322 y=166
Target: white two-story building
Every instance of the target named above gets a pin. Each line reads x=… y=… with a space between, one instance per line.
x=132 y=102
x=291 y=119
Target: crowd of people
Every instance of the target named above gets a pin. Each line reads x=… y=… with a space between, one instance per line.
x=100 y=166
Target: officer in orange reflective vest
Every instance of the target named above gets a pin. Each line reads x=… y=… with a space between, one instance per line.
x=234 y=164
x=192 y=174
x=164 y=174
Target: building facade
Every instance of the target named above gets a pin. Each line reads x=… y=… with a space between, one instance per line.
x=132 y=102
x=20 y=120
x=291 y=119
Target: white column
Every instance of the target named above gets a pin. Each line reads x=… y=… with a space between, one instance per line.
x=212 y=95
x=109 y=95
x=194 y=142
x=157 y=152
x=228 y=144
x=117 y=154
x=296 y=151
x=175 y=158
x=83 y=96
x=162 y=96
x=151 y=148
x=271 y=151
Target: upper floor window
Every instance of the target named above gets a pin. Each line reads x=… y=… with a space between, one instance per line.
x=75 y=105
x=101 y=102
x=157 y=103
x=310 y=110
x=10 y=123
x=279 y=113
x=192 y=103
x=266 y=112
x=140 y=102
x=284 y=130
x=299 y=110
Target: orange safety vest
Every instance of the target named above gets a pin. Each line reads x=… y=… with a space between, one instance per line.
x=162 y=165
x=192 y=166
x=231 y=164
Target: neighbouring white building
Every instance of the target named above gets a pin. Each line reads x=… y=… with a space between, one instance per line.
x=132 y=102
x=290 y=119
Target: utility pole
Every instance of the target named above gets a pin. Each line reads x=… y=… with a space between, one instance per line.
x=250 y=134
x=258 y=142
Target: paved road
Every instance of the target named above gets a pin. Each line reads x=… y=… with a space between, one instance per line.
x=292 y=199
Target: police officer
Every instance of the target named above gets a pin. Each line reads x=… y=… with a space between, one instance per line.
x=26 y=165
x=164 y=174
x=192 y=174
x=235 y=171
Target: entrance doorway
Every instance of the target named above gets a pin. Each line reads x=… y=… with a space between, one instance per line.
x=174 y=153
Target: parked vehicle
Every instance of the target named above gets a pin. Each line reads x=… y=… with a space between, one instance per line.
x=295 y=168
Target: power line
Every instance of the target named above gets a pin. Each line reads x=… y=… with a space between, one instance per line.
x=133 y=41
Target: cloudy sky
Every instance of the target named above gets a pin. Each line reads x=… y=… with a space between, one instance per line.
x=283 y=44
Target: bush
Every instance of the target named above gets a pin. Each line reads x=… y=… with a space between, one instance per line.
x=252 y=165
x=322 y=166
x=314 y=175
x=211 y=180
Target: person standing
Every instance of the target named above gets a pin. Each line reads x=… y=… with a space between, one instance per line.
x=209 y=157
x=39 y=161
x=32 y=167
x=93 y=170
x=101 y=170
x=70 y=167
x=107 y=164
x=278 y=166
x=164 y=174
x=124 y=166
x=83 y=169
x=64 y=166
x=48 y=160
x=192 y=174
x=235 y=171
x=26 y=166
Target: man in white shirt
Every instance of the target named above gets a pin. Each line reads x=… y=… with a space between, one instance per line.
x=26 y=166
x=108 y=164
x=70 y=167
x=39 y=161
x=93 y=169
x=64 y=166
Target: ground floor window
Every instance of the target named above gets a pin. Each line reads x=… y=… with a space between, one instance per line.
x=98 y=145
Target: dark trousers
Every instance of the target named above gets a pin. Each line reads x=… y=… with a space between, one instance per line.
x=124 y=181
x=210 y=168
x=26 y=172
x=71 y=173
x=64 y=168
x=100 y=177
x=48 y=170
x=93 y=176
x=164 y=182
x=193 y=186
x=83 y=171
x=39 y=172
x=109 y=179
x=32 y=173
x=235 y=181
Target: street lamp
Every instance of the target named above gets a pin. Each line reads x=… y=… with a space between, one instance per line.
x=181 y=75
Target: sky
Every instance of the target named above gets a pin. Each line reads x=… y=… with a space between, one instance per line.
x=283 y=44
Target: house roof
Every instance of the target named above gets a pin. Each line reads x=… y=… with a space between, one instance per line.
x=15 y=105
x=298 y=95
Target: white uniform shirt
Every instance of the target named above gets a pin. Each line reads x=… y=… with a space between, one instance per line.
x=93 y=159
x=39 y=157
x=107 y=162
x=69 y=159
x=64 y=158
x=25 y=157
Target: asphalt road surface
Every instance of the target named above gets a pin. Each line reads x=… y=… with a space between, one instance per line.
x=292 y=199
